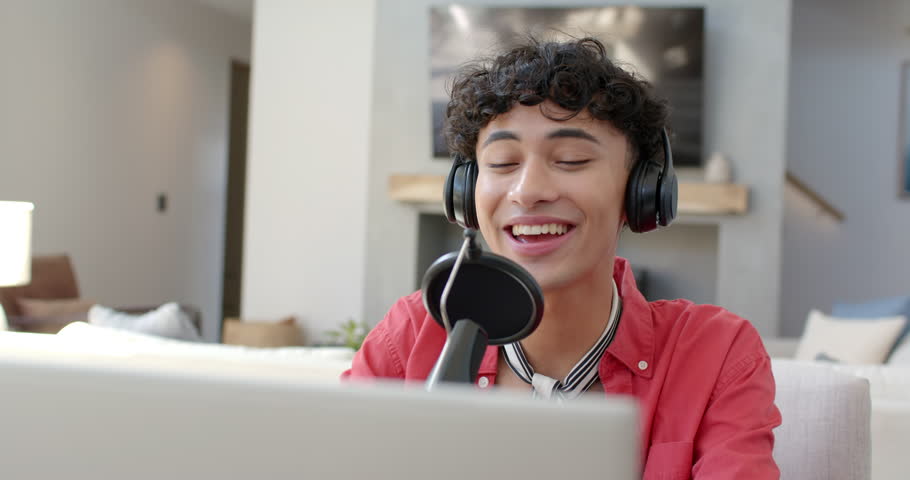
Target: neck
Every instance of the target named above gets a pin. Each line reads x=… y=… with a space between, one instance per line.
x=574 y=318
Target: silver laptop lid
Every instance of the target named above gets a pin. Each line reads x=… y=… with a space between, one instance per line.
x=93 y=421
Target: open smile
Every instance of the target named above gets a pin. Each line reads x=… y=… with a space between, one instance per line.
x=537 y=237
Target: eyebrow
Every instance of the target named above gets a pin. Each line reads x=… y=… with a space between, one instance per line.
x=560 y=133
x=499 y=135
x=573 y=133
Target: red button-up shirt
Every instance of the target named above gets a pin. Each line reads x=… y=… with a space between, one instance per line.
x=701 y=376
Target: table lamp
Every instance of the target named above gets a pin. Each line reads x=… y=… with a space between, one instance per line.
x=15 y=247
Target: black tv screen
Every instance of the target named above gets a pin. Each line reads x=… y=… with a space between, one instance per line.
x=663 y=45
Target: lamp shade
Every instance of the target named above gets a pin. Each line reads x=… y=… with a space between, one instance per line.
x=15 y=243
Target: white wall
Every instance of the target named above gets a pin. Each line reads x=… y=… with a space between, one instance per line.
x=307 y=162
x=747 y=52
x=842 y=141
x=106 y=103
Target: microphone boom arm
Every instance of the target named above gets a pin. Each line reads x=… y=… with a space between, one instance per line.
x=460 y=358
x=472 y=250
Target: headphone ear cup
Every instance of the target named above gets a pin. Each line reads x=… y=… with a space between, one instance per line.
x=458 y=195
x=641 y=196
x=652 y=191
x=470 y=208
x=448 y=194
x=669 y=186
x=669 y=193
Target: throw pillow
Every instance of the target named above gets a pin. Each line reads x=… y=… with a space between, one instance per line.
x=165 y=321
x=882 y=307
x=849 y=341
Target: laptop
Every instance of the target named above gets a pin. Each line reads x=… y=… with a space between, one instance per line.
x=70 y=419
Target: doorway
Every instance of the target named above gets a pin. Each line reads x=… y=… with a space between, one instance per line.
x=236 y=193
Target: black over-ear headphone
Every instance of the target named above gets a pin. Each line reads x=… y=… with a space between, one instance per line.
x=651 y=193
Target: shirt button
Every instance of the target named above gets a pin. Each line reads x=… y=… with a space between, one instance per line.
x=484 y=382
x=642 y=365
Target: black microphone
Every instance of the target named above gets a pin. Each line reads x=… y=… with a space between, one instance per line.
x=481 y=299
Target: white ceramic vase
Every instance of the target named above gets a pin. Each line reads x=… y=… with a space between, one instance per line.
x=718 y=169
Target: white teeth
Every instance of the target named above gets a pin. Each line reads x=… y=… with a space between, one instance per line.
x=549 y=228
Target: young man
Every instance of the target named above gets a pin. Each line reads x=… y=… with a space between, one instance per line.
x=555 y=129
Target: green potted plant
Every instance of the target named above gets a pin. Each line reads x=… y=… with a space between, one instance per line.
x=349 y=334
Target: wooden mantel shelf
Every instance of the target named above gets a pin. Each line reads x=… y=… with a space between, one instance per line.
x=694 y=198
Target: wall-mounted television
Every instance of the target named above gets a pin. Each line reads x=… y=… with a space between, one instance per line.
x=664 y=45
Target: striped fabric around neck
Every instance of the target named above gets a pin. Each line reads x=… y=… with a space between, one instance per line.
x=581 y=377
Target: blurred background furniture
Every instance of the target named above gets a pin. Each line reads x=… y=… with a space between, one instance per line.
x=54 y=279
x=825 y=434
x=283 y=333
x=889 y=390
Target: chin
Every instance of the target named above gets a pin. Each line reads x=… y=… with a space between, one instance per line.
x=549 y=273
x=551 y=279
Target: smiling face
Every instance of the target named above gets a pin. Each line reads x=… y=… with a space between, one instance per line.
x=550 y=193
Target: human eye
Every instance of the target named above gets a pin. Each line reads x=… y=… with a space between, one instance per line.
x=573 y=164
x=501 y=165
x=571 y=158
x=501 y=162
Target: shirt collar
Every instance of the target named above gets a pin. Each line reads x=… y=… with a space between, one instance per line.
x=583 y=373
x=633 y=345
x=634 y=339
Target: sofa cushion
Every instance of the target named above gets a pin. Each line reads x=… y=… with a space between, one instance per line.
x=849 y=341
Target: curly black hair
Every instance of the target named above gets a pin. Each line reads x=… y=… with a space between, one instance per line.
x=575 y=75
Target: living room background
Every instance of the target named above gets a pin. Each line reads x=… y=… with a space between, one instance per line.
x=106 y=105
x=109 y=104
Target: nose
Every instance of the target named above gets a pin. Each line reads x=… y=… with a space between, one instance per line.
x=533 y=185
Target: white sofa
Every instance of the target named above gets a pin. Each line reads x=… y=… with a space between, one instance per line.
x=826 y=423
x=889 y=387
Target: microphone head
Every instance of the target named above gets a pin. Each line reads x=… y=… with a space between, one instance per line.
x=491 y=290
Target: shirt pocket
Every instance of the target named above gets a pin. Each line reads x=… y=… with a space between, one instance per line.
x=669 y=461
